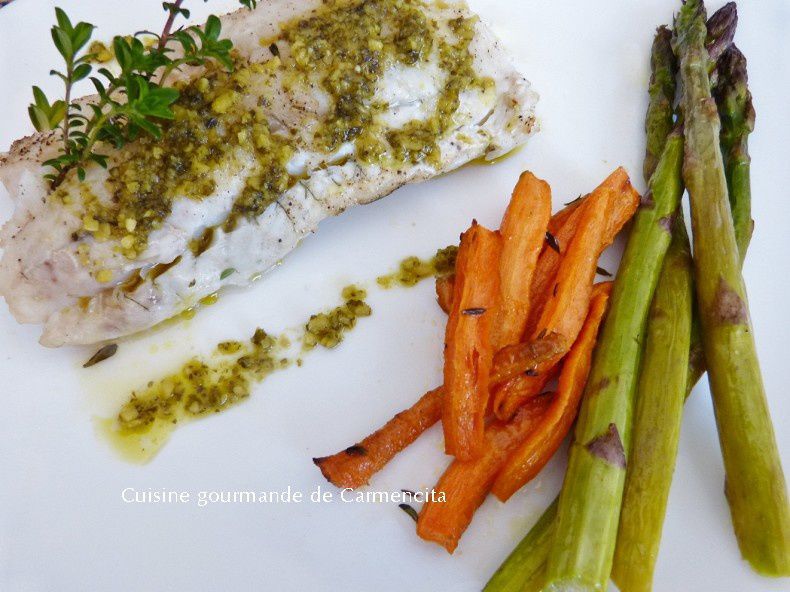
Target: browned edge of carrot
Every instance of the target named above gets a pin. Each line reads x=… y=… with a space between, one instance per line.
x=562 y=227
x=465 y=484
x=354 y=466
x=534 y=452
x=468 y=352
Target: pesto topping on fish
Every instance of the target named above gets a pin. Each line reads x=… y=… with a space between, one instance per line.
x=349 y=46
x=345 y=48
x=417 y=140
x=211 y=129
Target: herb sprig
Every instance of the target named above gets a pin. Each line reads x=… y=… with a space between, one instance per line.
x=134 y=101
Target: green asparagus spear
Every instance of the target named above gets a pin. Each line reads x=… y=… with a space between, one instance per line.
x=657 y=418
x=659 y=119
x=734 y=102
x=754 y=484
x=524 y=569
x=589 y=506
x=658 y=123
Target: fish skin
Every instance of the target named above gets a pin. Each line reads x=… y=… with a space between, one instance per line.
x=41 y=276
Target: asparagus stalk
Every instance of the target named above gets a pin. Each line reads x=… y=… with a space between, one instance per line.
x=658 y=123
x=661 y=92
x=734 y=102
x=630 y=562
x=755 y=485
x=657 y=419
x=589 y=505
x=524 y=570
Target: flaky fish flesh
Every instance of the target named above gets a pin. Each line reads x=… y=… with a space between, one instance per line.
x=330 y=105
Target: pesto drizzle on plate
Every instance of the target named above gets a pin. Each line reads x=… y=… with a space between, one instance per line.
x=203 y=387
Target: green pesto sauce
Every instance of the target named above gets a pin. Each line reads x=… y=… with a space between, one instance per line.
x=210 y=128
x=345 y=47
x=412 y=270
x=328 y=329
x=203 y=387
x=417 y=140
x=351 y=45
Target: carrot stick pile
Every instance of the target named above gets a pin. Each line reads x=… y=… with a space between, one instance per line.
x=522 y=309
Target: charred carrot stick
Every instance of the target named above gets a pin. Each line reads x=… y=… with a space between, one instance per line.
x=354 y=466
x=468 y=353
x=466 y=483
x=444 y=291
x=569 y=295
x=523 y=232
x=532 y=454
x=562 y=225
x=561 y=229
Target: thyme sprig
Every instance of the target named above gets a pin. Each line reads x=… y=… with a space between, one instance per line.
x=132 y=102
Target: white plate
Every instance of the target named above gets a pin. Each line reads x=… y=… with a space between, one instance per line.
x=63 y=524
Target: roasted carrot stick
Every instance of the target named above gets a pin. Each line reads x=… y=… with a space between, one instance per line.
x=532 y=454
x=569 y=295
x=444 y=291
x=468 y=353
x=562 y=227
x=523 y=231
x=354 y=466
x=466 y=483
x=567 y=306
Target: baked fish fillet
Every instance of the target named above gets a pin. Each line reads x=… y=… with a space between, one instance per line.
x=331 y=104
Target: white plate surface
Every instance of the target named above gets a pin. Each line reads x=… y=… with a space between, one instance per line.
x=63 y=524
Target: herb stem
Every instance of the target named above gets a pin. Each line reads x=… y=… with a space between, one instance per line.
x=93 y=133
x=67 y=117
x=174 y=11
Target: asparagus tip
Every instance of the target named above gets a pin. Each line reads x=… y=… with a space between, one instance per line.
x=721 y=30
